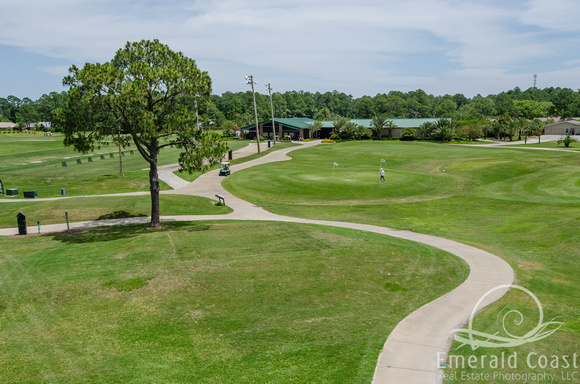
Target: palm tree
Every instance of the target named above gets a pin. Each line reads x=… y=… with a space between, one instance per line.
x=362 y=131
x=511 y=129
x=350 y=129
x=443 y=130
x=378 y=124
x=389 y=125
x=315 y=128
x=339 y=124
x=535 y=128
x=522 y=127
x=566 y=140
x=426 y=129
x=501 y=124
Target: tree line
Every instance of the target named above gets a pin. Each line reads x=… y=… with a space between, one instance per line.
x=27 y=112
x=237 y=108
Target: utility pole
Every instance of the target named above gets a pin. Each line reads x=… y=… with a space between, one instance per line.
x=250 y=80
x=120 y=154
x=272 y=108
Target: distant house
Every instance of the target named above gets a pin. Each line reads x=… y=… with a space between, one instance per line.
x=566 y=127
x=6 y=126
x=39 y=126
x=296 y=128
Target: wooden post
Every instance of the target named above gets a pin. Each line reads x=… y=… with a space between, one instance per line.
x=120 y=155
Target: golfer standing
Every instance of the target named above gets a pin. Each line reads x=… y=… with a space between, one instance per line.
x=382 y=179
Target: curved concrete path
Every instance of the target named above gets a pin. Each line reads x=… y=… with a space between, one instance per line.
x=410 y=353
x=521 y=144
x=531 y=140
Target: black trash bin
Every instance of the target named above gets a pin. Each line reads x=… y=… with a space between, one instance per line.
x=230 y=155
x=21 y=217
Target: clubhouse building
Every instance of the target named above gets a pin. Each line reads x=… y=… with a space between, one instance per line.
x=567 y=127
x=298 y=128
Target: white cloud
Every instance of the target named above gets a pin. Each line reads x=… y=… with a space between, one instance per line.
x=561 y=15
x=56 y=70
x=320 y=45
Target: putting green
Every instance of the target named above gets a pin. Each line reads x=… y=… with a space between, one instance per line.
x=414 y=172
x=311 y=180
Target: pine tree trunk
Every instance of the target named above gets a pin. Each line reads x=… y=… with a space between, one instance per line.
x=154 y=188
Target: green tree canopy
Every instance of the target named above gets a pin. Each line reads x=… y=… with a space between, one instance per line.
x=238 y=107
x=504 y=104
x=141 y=94
x=445 y=107
x=565 y=103
x=531 y=109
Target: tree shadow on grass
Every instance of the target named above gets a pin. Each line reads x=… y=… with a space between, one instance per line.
x=120 y=215
x=126 y=231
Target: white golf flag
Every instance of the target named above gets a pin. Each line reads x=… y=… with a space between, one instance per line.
x=382 y=160
x=335 y=164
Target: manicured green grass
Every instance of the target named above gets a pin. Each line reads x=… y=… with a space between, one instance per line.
x=34 y=162
x=277 y=147
x=215 y=302
x=415 y=172
x=234 y=145
x=521 y=205
x=552 y=144
x=101 y=208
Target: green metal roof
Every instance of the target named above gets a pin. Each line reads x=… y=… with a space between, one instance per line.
x=293 y=123
x=399 y=123
x=296 y=122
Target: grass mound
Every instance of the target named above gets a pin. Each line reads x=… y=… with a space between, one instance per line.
x=217 y=302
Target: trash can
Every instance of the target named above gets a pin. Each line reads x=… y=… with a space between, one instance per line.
x=21 y=217
x=268 y=143
x=30 y=194
x=62 y=192
x=230 y=155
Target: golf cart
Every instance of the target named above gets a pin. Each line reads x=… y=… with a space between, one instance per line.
x=225 y=169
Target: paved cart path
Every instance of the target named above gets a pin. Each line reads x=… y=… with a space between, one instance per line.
x=521 y=144
x=409 y=355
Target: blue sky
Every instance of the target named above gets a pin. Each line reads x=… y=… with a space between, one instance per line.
x=360 y=48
